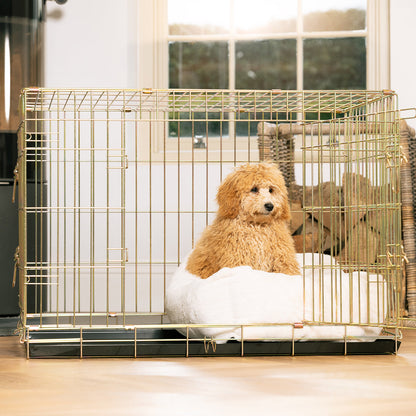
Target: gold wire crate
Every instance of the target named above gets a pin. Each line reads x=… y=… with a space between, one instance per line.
x=115 y=186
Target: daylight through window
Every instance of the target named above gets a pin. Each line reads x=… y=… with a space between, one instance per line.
x=272 y=44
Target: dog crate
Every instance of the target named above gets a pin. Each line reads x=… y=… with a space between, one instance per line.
x=126 y=182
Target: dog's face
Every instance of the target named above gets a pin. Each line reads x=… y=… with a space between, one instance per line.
x=255 y=193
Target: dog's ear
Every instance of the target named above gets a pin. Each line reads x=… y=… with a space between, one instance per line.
x=285 y=214
x=281 y=186
x=228 y=198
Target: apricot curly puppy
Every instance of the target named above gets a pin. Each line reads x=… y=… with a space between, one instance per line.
x=251 y=227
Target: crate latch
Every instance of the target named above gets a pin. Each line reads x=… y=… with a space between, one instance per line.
x=208 y=342
x=403 y=158
x=403 y=255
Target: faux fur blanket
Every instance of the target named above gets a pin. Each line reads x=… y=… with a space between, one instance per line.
x=244 y=296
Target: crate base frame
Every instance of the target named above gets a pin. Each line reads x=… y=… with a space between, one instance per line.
x=160 y=342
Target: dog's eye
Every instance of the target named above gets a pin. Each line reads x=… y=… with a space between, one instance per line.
x=254 y=189
x=271 y=190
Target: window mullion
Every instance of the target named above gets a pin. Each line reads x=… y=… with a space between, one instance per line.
x=378 y=45
x=231 y=64
x=231 y=49
x=299 y=48
x=231 y=67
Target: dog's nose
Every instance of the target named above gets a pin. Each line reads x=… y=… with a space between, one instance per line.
x=269 y=206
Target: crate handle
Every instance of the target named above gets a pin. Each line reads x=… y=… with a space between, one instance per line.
x=15 y=179
x=16 y=264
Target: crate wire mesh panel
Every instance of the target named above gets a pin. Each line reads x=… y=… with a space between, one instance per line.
x=125 y=182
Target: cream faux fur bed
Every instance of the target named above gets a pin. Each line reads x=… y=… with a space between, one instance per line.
x=244 y=296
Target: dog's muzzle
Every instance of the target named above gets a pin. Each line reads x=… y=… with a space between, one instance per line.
x=269 y=206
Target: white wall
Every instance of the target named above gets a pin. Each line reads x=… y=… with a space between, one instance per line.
x=403 y=56
x=91 y=44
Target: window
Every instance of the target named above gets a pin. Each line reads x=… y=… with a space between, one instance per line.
x=308 y=44
x=237 y=44
x=266 y=44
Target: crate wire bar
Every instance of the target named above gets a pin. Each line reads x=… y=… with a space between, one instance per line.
x=124 y=182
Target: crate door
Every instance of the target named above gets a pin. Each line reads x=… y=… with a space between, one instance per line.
x=86 y=186
x=351 y=211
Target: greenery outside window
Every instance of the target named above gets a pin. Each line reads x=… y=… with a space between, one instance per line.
x=276 y=44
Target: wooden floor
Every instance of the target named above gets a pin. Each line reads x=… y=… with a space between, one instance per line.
x=337 y=385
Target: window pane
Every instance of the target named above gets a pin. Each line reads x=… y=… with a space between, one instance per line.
x=268 y=16
x=266 y=64
x=324 y=15
x=334 y=64
x=199 y=125
x=190 y=17
x=198 y=65
x=247 y=122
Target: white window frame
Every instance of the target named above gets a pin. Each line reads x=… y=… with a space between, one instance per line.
x=153 y=38
x=153 y=44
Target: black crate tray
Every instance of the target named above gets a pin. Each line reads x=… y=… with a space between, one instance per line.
x=170 y=343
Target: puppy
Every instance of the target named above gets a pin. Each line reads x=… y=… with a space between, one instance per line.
x=251 y=227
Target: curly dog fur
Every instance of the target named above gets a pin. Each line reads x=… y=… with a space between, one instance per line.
x=251 y=226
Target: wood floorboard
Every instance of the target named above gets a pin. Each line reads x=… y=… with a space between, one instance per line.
x=317 y=385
